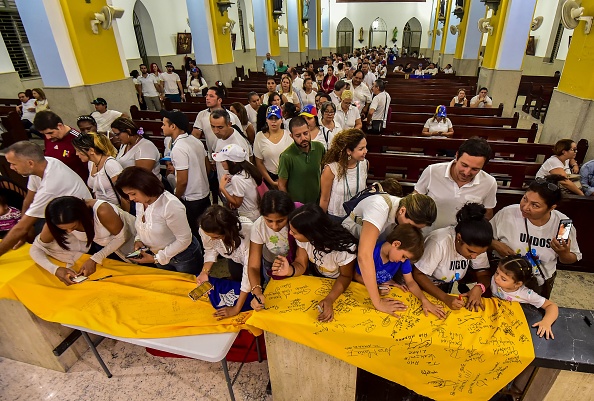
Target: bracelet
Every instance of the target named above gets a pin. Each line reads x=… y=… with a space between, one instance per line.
x=292 y=274
x=482 y=287
x=256 y=286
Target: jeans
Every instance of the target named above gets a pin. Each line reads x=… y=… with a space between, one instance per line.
x=173 y=97
x=235 y=270
x=194 y=210
x=188 y=261
x=213 y=183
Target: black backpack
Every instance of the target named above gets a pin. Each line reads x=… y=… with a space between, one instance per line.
x=373 y=189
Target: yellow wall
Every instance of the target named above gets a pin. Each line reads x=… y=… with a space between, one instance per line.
x=272 y=27
x=435 y=24
x=462 y=32
x=446 y=28
x=222 y=42
x=577 y=78
x=300 y=25
x=494 y=41
x=97 y=55
x=319 y=24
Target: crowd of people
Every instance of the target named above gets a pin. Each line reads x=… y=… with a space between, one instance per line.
x=280 y=190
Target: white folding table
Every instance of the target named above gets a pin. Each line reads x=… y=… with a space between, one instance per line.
x=205 y=347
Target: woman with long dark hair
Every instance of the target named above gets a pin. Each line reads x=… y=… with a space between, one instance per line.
x=72 y=225
x=135 y=150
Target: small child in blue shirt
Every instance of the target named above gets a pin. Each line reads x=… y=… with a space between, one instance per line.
x=404 y=243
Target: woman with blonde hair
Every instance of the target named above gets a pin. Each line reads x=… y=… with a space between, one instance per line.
x=286 y=89
x=104 y=169
x=41 y=102
x=345 y=172
x=347 y=115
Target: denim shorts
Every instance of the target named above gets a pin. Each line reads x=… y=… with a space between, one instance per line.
x=188 y=261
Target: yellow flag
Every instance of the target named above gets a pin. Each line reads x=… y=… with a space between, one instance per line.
x=467 y=356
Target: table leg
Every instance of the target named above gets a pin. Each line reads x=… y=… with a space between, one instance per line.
x=258 y=349
x=94 y=350
x=226 y=372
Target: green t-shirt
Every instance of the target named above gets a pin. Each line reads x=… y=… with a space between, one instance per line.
x=302 y=171
x=282 y=70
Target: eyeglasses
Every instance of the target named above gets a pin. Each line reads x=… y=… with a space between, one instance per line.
x=550 y=185
x=574 y=150
x=329 y=112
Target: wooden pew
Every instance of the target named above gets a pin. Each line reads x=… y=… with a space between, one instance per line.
x=433 y=146
x=9 y=102
x=466 y=111
x=527 y=81
x=138 y=114
x=478 y=121
x=15 y=130
x=463 y=131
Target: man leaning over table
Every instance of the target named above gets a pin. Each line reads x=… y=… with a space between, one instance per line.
x=49 y=178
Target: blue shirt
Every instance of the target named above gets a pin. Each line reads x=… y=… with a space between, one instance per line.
x=269 y=67
x=385 y=271
x=587 y=177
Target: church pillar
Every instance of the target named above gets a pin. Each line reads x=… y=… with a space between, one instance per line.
x=502 y=64
x=570 y=112
x=213 y=51
x=446 y=38
x=466 y=60
x=315 y=27
x=296 y=36
x=266 y=31
x=434 y=25
x=75 y=64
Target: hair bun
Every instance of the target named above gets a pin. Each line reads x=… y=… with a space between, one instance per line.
x=471 y=212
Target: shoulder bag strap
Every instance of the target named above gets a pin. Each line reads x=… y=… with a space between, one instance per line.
x=111 y=182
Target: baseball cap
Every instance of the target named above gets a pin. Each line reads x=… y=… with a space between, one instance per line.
x=273 y=111
x=99 y=100
x=309 y=111
x=178 y=118
x=169 y=64
x=232 y=152
x=194 y=69
x=165 y=159
x=440 y=111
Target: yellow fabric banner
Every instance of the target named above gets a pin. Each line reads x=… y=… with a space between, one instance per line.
x=468 y=356
x=137 y=302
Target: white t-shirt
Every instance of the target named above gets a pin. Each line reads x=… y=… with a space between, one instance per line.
x=509 y=228
x=438 y=126
x=328 y=264
x=28 y=115
x=165 y=229
x=375 y=210
x=307 y=98
x=369 y=79
x=104 y=120
x=437 y=183
x=170 y=82
x=198 y=85
x=298 y=83
x=475 y=100
x=347 y=120
x=441 y=261
x=270 y=152
x=245 y=187
x=143 y=150
x=522 y=295
x=326 y=135
x=99 y=183
x=188 y=153
x=203 y=123
x=214 y=248
x=361 y=96
x=148 y=85
x=335 y=99
x=380 y=105
x=273 y=243
x=237 y=139
x=552 y=163
x=344 y=189
x=252 y=115
x=58 y=180
x=448 y=70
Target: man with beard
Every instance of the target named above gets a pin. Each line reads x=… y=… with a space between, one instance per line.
x=453 y=184
x=58 y=141
x=49 y=178
x=299 y=167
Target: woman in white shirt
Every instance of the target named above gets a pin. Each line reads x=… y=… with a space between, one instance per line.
x=196 y=83
x=104 y=169
x=239 y=186
x=451 y=252
x=347 y=115
x=162 y=231
x=248 y=129
x=134 y=149
x=328 y=127
x=72 y=225
x=286 y=90
x=307 y=94
x=224 y=234
x=328 y=246
x=530 y=229
x=269 y=144
x=345 y=172
x=439 y=124
x=562 y=163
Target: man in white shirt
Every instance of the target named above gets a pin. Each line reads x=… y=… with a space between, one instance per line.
x=481 y=100
x=172 y=87
x=361 y=93
x=26 y=109
x=222 y=127
x=49 y=178
x=368 y=76
x=148 y=88
x=102 y=116
x=297 y=80
x=189 y=158
x=453 y=184
x=328 y=64
x=336 y=94
x=252 y=107
x=431 y=69
x=378 y=111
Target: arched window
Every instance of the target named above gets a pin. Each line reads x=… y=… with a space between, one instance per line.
x=378 y=33
x=345 y=36
x=411 y=37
